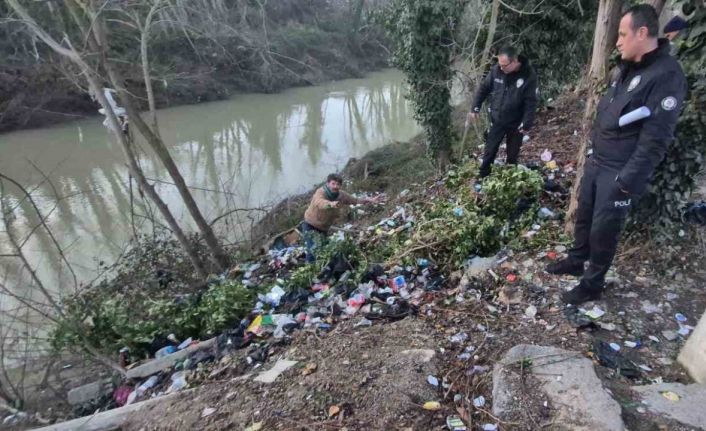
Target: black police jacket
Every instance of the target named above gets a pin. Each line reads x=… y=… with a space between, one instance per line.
x=635 y=149
x=513 y=97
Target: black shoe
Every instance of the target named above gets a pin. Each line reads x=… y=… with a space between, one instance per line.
x=580 y=294
x=565 y=267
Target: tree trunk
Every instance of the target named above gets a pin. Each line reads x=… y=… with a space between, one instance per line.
x=135 y=170
x=218 y=255
x=491 y=33
x=604 y=38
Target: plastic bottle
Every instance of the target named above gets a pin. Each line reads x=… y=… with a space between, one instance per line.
x=165 y=351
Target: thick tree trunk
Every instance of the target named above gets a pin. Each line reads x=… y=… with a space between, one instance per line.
x=604 y=39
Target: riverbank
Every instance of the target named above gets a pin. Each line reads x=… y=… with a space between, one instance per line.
x=38 y=88
x=466 y=321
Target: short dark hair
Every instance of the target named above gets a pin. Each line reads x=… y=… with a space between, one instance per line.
x=335 y=177
x=508 y=51
x=644 y=15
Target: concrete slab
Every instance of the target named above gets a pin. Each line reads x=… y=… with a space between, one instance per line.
x=693 y=354
x=567 y=379
x=690 y=409
x=107 y=421
x=87 y=393
x=156 y=365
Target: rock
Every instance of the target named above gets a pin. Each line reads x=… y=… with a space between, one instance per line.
x=694 y=351
x=567 y=379
x=689 y=410
x=271 y=375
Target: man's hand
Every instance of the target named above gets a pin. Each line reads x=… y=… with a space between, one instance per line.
x=333 y=204
x=374 y=200
x=472 y=116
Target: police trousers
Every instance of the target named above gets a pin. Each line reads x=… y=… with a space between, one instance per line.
x=600 y=218
x=492 y=144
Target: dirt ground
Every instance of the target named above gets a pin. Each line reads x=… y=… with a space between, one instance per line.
x=375 y=377
x=365 y=378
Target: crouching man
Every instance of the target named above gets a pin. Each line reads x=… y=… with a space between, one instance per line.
x=324 y=209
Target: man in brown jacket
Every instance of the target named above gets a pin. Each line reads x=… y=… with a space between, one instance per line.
x=324 y=208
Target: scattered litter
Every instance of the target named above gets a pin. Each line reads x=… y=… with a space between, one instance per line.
x=433 y=381
x=479 y=402
x=546 y=156
x=531 y=311
x=178 y=382
x=455 y=423
x=631 y=344
x=208 y=411
x=257 y=426
x=459 y=338
x=363 y=322
x=546 y=214
x=680 y=318
x=333 y=411
x=490 y=427
x=615 y=346
x=645 y=368
x=671 y=396
x=670 y=335
x=609 y=357
x=432 y=405
x=595 y=313
x=653 y=338
x=310 y=368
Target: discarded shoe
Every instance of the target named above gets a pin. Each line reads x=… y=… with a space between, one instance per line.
x=581 y=294
x=565 y=267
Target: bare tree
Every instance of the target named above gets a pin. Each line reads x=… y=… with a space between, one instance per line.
x=91 y=21
x=604 y=38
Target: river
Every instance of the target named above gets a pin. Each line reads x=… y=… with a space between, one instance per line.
x=246 y=152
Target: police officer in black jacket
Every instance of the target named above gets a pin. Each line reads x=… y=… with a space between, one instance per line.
x=634 y=125
x=512 y=87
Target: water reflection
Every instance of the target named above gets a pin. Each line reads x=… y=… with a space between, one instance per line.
x=246 y=152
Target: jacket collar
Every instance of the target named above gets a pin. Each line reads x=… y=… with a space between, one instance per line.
x=649 y=58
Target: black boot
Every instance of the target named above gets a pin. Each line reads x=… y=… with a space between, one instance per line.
x=580 y=294
x=565 y=267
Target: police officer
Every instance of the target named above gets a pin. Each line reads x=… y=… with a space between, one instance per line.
x=634 y=125
x=512 y=88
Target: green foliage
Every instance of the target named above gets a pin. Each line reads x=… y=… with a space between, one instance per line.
x=466 y=225
x=510 y=184
x=557 y=38
x=675 y=178
x=109 y=322
x=421 y=32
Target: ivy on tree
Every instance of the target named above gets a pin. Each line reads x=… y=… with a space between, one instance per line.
x=422 y=33
x=676 y=177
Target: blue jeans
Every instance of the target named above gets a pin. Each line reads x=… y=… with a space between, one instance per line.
x=312 y=238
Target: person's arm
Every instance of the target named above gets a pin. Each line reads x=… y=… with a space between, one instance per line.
x=486 y=86
x=665 y=101
x=319 y=200
x=346 y=199
x=530 y=103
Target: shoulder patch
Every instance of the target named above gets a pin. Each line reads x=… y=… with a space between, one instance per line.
x=669 y=103
x=520 y=82
x=499 y=80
